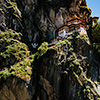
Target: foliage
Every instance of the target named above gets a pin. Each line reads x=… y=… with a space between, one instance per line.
x=23 y=69
x=10 y=45
x=86 y=88
x=14 y=55
x=43 y=48
x=96 y=32
x=12 y=5
x=1 y=10
x=17 y=52
x=96 y=36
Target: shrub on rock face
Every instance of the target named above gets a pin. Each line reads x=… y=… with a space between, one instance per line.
x=11 y=49
x=14 y=55
x=96 y=32
x=96 y=36
x=43 y=48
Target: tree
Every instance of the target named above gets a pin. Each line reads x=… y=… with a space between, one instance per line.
x=15 y=58
x=96 y=36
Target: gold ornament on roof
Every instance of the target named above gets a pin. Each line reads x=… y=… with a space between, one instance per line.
x=74 y=16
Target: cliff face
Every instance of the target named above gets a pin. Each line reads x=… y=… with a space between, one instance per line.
x=68 y=71
x=14 y=89
x=40 y=19
x=60 y=72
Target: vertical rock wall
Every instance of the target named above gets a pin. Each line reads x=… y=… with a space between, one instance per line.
x=38 y=20
x=69 y=73
x=41 y=18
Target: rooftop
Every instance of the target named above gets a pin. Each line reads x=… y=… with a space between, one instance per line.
x=69 y=26
x=75 y=18
x=95 y=17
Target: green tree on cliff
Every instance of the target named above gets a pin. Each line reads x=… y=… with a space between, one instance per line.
x=96 y=36
x=14 y=55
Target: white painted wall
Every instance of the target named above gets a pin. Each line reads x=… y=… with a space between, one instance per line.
x=62 y=33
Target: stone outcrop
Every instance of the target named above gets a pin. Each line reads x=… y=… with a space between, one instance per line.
x=59 y=79
x=42 y=18
x=51 y=77
x=14 y=89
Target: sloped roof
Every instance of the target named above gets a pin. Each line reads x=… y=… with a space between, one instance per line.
x=94 y=18
x=74 y=18
x=68 y=26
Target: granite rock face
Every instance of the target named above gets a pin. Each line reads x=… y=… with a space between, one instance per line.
x=59 y=79
x=9 y=16
x=38 y=21
x=41 y=18
x=14 y=89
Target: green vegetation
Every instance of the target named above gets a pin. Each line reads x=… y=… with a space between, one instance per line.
x=12 y=8
x=76 y=73
x=96 y=36
x=10 y=46
x=14 y=55
x=43 y=48
x=1 y=10
x=17 y=60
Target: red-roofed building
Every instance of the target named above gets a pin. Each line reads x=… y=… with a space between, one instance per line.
x=75 y=24
x=94 y=20
x=75 y=20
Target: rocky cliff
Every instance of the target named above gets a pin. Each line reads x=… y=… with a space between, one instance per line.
x=37 y=20
x=68 y=70
x=41 y=18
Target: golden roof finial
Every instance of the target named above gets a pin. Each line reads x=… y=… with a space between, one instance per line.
x=74 y=16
